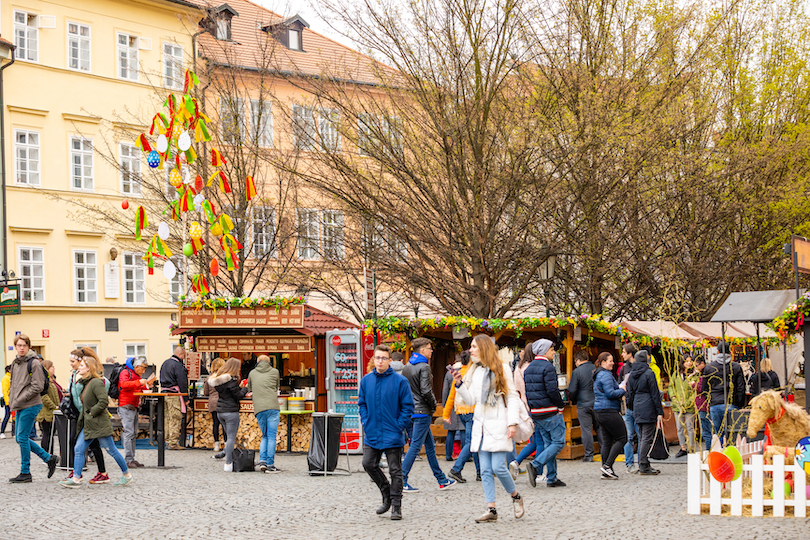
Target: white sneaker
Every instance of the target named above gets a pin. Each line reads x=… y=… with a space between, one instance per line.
x=228 y=467
x=2 y=435
x=217 y=447
x=632 y=469
x=514 y=468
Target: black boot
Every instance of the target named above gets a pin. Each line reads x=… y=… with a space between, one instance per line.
x=386 y=502
x=396 y=512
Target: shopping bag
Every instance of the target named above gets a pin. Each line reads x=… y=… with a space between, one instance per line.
x=659 y=449
x=243 y=459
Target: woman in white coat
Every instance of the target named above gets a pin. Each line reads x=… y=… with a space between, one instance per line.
x=488 y=384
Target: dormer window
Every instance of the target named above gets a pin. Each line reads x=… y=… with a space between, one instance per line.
x=219 y=22
x=289 y=32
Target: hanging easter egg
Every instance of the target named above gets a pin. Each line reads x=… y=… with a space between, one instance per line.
x=736 y=460
x=803 y=454
x=198 y=184
x=162 y=144
x=175 y=178
x=188 y=251
x=153 y=158
x=195 y=230
x=169 y=270
x=125 y=204
x=214 y=267
x=199 y=198
x=216 y=229
x=184 y=141
x=163 y=230
x=721 y=467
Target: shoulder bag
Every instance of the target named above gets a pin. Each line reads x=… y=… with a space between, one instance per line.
x=66 y=406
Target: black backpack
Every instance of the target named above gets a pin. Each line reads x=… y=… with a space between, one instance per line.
x=114 y=390
x=47 y=384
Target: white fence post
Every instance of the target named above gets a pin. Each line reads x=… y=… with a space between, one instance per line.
x=693 y=483
x=757 y=464
x=779 y=486
x=800 y=491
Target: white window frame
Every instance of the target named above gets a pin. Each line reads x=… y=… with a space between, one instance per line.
x=232 y=119
x=79 y=43
x=305 y=127
x=332 y=234
x=263 y=231
x=298 y=44
x=93 y=346
x=309 y=237
x=368 y=123
x=172 y=66
x=175 y=283
x=91 y=293
x=26 y=36
x=85 y=162
x=30 y=266
x=223 y=28
x=328 y=120
x=136 y=347
x=22 y=155
x=130 y=170
x=130 y=57
x=261 y=122
x=134 y=278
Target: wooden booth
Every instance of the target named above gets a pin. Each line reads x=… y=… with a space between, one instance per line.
x=294 y=338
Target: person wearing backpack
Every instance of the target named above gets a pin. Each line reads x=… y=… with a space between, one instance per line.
x=129 y=381
x=50 y=402
x=26 y=400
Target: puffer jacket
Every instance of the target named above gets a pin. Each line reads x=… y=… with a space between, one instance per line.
x=490 y=422
x=420 y=377
x=385 y=403
x=542 y=391
x=229 y=392
x=644 y=399
x=50 y=402
x=213 y=395
x=606 y=391
x=94 y=418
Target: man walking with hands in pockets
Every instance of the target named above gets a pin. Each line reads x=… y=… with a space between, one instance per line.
x=386 y=406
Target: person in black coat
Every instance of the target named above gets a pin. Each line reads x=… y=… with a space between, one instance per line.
x=226 y=383
x=580 y=392
x=725 y=393
x=644 y=400
x=766 y=379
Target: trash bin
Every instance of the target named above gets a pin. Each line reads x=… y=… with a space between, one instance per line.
x=324 y=446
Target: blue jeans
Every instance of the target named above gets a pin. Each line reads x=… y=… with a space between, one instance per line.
x=494 y=464
x=464 y=455
x=449 y=442
x=6 y=419
x=705 y=428
x=268 y=422
x=422 y=436
x=25 y=421
x=718 y=413
x=106 y=443
x=528 y=449
x=552 y=432
x=631 y=427
x=511 y=455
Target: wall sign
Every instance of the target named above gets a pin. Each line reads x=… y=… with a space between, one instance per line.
x=291 y=317
x=10 y=299
x=112 y=288
x=257 y=344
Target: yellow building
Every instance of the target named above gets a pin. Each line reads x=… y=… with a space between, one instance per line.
x=77 y=63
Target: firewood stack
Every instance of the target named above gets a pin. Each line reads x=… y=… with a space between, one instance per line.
x=250 y=435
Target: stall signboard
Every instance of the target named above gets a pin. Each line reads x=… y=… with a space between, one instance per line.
x=291 y=317
x=201 y=405
x=10 y=299
x=260 y=344
x=192 y=362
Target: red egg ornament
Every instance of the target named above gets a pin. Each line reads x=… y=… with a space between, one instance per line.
x=721 y=467
x=214 y=267
x=125 y=204
x=198 y=184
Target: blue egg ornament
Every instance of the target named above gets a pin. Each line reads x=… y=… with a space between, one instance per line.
x=153 y=159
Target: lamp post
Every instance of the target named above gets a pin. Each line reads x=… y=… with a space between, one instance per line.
x=6 y=59
x=546 y=275
x=415 y=302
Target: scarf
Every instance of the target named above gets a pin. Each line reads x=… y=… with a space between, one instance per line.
x=489 y=396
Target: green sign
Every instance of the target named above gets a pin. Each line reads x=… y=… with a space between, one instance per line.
x=10 y=299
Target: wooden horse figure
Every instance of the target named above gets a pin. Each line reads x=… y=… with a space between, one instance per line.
x=788 y=424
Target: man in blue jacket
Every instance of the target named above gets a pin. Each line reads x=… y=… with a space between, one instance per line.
x=386 y=406
x=546 y=405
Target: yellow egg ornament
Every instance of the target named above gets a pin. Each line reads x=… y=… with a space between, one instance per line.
x=216 y=229
x=195 y=230
x=175 y=178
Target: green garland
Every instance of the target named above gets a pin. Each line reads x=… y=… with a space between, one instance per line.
x=790 y=322
x=276 y=302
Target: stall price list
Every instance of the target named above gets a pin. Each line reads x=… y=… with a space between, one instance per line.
x=292 y=317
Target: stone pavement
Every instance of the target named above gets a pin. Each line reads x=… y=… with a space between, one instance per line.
x=202 y=501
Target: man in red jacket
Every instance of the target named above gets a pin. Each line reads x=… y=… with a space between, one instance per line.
x=130 y=381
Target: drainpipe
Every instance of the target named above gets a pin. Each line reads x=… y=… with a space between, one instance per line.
x=3 y=160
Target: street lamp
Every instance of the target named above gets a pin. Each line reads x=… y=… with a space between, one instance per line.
x=546 y=275
x=415 y=299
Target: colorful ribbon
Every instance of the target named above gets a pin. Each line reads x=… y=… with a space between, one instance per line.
x=230 y=246
x=143 y=143
x=224 y=186
x=186 y=199
x=250 y=187
x=217 y=160
x=199 y=285
x=159 y=123
x=141 y=222
x=226 y=223
x=190 y=80
x=210 y=211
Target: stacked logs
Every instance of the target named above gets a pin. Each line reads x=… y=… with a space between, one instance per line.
x=250 y=435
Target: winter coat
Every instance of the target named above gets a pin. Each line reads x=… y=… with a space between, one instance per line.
x=50 y=402
x=386 y=405
x=397 y=366
x=713 y=383
x=229 y=392
x=701 y=399
x=129 y=383
x=174 y=373
x=490 y=422
x=6 y=387
x=420 y=377
x=580 y=389
x=763 y=381
x=94 y=419
x=263 y=382
x=607 y=394
x=520 y=382
x=78 y=386
x=644 y=399
x=25 y=388
x=455 y=423
x=542 y=391
x=213 y=395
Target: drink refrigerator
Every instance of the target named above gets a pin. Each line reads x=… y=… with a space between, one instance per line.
x=344 y=369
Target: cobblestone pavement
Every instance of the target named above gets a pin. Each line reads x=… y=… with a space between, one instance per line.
x=200 y=500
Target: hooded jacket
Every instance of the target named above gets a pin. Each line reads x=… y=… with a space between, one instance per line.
x=607 y=394
x=25 y=388
x=420 y=377
x=713 y=383
x=94 y=419
x=263 y=382
x=229 y=392
x=580 y=390
x=644 y=399
x=397 y=366
x=385 y=403
x=129 y=382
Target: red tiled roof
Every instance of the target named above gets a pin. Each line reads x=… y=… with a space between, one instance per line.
x=321 y=322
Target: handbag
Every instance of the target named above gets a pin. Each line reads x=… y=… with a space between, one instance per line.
x=243 y=459
x=525 y=426
x=659 y=449
x=66 y=406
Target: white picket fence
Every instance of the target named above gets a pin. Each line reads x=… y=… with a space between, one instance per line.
x=702 y=488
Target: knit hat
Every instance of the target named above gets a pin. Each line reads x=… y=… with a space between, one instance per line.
x=642 y=356
x=541 y=347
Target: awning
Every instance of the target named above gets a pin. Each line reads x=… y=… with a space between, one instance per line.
x=709 y=330
x=754 y=306
x=666 y=329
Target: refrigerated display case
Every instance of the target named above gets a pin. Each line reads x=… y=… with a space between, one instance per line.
x=345 y=369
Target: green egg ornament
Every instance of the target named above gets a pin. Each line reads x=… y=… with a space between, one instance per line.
x=188 y=251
